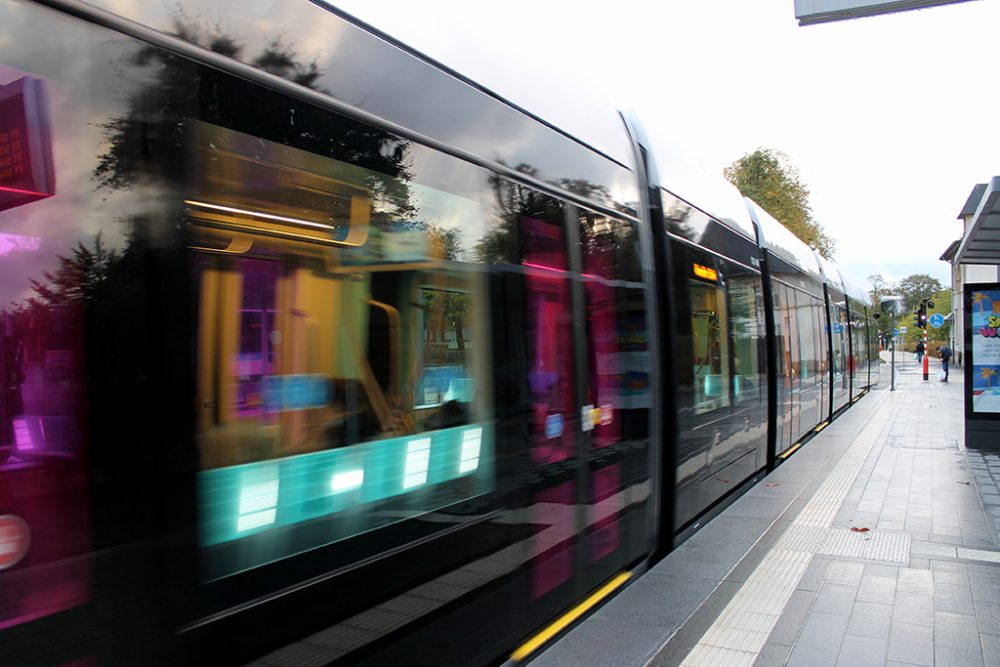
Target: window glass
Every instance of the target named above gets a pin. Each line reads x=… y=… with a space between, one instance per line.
x=710 y=336
x=447 y=348
x=744 y=292
x=840 y=344
x=61 y=281
x=617 y=390
x=549 y=329
x=342 y=371
x=807 y=342
x=605 y=243
x=857 y=351
x=795 y=363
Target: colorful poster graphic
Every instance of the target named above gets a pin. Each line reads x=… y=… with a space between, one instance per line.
x=985 y=316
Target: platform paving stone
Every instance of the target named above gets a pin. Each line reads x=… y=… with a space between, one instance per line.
x=940 y=606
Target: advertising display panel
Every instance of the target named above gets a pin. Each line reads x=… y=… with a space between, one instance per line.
x=984 y=316
x=982 y=365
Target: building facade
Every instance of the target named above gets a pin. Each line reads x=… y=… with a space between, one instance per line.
x=963 y=273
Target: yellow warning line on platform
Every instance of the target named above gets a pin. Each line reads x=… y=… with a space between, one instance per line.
x=821 y=427
x=566 y=619
x=788 y=452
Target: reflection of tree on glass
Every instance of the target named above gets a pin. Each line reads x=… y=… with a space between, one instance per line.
x=148 y=142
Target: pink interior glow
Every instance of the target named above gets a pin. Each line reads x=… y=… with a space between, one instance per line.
x=23 y=435
x=18 y=191
x=544 y=267
x=11 y=242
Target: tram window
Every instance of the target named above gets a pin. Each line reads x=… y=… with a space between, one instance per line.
x=549 y=329
x=839 y=327
x=807 y=351
x=605 y=243
x=445 y=375
x=343 y=354
x=710 y=335
x=748 y=334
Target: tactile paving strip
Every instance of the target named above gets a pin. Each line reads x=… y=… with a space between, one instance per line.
x=873 y=545
x=740 y=632
x=876 y=545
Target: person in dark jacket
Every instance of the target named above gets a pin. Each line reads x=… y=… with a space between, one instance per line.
x=920 y=351
x=945 y=353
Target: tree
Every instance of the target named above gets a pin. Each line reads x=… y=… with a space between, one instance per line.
x=148 y=142
x=80 y=278
x=942 y=305
x=916 y=287
x=767 y=177
x=880 y=288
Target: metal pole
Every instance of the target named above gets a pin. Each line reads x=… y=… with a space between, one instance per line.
x=892 y=355
x=926 y=356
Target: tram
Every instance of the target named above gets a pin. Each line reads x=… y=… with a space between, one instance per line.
x=324 y=354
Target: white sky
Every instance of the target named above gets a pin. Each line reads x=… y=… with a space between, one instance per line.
x=890 y=119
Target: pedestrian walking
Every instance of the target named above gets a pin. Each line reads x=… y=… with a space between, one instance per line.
x=920 y=351
x=945 y=354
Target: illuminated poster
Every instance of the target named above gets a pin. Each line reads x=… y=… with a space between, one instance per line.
x=985 y=316
x=26 y=172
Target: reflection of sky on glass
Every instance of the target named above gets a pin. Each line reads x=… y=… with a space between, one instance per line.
x=321 y=38
x=447 y=211
x=88 y=82
x=10 y=243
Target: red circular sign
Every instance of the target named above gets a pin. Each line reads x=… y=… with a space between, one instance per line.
x=15 y=537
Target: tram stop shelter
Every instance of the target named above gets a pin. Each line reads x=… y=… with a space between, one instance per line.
x=977 y=259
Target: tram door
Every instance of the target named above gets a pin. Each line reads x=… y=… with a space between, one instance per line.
x=787 y=366
x=588 y=387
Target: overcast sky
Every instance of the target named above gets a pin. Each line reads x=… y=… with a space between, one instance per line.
x=891 y=120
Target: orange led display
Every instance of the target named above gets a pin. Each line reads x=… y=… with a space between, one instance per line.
x=706 y=273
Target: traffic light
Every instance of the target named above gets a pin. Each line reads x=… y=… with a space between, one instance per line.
x=920 y=318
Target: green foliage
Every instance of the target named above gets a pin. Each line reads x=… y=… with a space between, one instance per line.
x=942 y=304
x=919 y=286
x=767 y=177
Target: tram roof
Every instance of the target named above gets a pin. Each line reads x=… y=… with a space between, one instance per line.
x=675 y=168
x=779 y=240
x=835 y=276
x=856 y=292
x=578 y=109
x=831 y=272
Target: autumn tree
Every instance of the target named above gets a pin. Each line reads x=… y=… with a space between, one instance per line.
x=768 y=177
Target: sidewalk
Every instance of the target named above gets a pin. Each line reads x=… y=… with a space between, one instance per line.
x=875 y=544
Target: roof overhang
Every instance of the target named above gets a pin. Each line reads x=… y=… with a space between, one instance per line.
x=822 y=11
x=981 y=245
x=949 y=254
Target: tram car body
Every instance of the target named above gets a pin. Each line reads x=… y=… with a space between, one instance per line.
x=321 y=353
